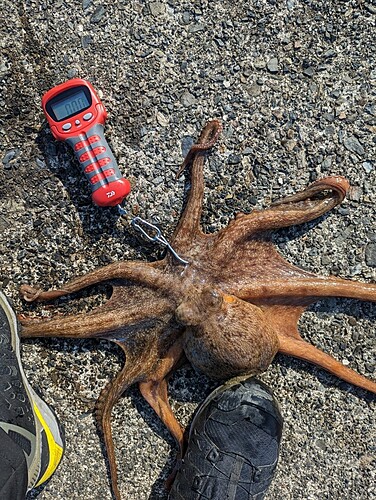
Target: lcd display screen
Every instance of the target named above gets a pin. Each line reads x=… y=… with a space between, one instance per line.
x=71 y=105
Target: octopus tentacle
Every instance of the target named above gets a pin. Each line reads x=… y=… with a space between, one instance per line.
x=100 y=323
x=154 y=391
x=284 y=291
x=131 y=373
x=139 y=272
x=320 y=197
x=301 y=349
x=189 y=223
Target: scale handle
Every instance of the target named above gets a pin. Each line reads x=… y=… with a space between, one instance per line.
x=109 y=187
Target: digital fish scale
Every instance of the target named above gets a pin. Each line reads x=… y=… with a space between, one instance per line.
x=77 y=116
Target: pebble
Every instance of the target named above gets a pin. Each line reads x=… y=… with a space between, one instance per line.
x=310 y=71
x=9 y=156
x=368 y=166
x=233 y=159
x=327 y=164
x=97 y=14
x=371 y=8
x=370 y=367
x=272 y=65
x=320 y=443
x=187 y=99
x=186 y=17
x=290 y=4
x=255 y=89
x=370 y=254
x=86 y=41
x=162 y=119
x=195 y=28
x=259 y=63
x=355 y=193
x=72 y=73
x=186 y=143
x=352 y=144
x=157 y=9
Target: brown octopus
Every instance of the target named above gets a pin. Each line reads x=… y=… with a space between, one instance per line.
x=229 y=311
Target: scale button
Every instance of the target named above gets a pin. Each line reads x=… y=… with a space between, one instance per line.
x=87 y=116
x=109 y=172
x=99 y=150
x=104 y=161
x=94 y=138
x=86 y=156
x=67 y=126
x=96 y=178
x=77 y=122
x=80 y=145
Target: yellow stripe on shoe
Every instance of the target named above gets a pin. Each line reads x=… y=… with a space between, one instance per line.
x=55 y=450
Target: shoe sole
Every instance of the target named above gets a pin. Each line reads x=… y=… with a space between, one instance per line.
x=47 y=428
x=223 y=461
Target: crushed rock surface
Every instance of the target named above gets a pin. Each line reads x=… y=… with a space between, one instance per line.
x=294 y=83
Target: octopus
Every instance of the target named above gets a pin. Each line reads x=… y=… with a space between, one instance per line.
x=229 y=310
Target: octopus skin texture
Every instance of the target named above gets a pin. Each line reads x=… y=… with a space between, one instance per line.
x=229 y=310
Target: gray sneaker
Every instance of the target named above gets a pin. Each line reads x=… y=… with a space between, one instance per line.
x=25 y=418
x=233 y=445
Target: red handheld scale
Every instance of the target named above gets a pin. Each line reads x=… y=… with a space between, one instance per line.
x=76 y=115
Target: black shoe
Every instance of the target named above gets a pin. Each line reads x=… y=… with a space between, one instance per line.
x=233 y=445
x=26 y=419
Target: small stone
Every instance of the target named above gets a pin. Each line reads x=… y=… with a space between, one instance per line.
x=157 y=181
x=97 y=14
x=157 y=9
x=289 y=144
x=329 y=53
x=255 y=90
x=186 y=17
x=4 y=70
x=352 y=321
x=187 y=99
x=40 y=163
x=371 y=109
x=186 y=144
x=371 y=8
x=9 y=156
x=196 y=27
x=326 y=164
x=352 y=144
x=233 y=159
x=272 y=65
x=355 y=193
x=344 y=211
x=369 y=367
x=370 y=255
x=86 y=4
x=310 y=71
x=72 y=73
x=162 y=119
x=320 y=443
x=368 y=167
x=259 y=63
x=86 y=41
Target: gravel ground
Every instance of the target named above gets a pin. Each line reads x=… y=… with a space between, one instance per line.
x=294 y=83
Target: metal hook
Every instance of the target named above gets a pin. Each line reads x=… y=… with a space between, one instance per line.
x=138 y=222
